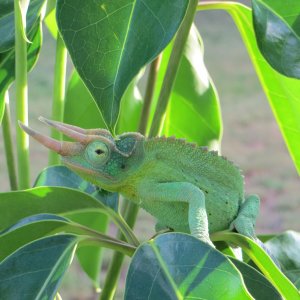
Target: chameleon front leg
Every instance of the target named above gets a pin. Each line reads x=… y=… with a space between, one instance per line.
x=182 y=192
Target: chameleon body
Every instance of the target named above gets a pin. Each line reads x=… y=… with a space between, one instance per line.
x=185 y=187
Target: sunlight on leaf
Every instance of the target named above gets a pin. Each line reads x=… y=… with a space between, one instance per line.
x=277 y=32
x=281 y=91
x=110 y=41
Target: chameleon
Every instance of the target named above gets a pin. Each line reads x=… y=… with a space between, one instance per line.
x=185 y=187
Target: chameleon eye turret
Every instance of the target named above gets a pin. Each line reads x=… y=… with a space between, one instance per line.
x=97 y=153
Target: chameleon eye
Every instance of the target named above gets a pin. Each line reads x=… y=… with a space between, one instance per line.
x=96 y=153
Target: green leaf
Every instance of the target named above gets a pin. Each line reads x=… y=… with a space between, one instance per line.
x=54 y=200
x=89 y=256
x=7 y=22
x=50 y=19
x=282 y=92
x=179 y=266
x=193 y=111
x=259 y=287
x=7 y=59
x=81 y=110
x=35 y=270
x=62 y=176
x=110 y=41
x=277 y=32
x=2 y=105
x=131 y=108
x=286 y=248
x=262 y=260
x=29 y=229
x=37 y=226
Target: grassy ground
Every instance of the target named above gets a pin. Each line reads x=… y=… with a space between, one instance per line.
x=251 y=136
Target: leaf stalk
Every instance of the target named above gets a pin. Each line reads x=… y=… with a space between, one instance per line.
x=58 y=93
x=173 y=66
x=20 y=9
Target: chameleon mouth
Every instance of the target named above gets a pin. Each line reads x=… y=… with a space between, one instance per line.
x=81 y=169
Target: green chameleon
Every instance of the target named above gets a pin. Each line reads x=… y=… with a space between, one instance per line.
x=186 y=187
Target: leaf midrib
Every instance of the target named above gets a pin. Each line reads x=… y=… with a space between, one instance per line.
x=121 y=56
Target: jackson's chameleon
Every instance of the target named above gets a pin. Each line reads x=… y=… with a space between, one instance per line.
x=186 y=187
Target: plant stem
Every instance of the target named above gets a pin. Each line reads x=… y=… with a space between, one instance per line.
x=173 y=66
x=8 y=145
x=20 y=8
x=113 y=273
x=58 y=93
x=149 y=94
x=130 y=209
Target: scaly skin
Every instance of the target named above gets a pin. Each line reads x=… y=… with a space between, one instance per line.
x=185 y=187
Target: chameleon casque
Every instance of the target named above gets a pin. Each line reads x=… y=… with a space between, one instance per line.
x=186 y=187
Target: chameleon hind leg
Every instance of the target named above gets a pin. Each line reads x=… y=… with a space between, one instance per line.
x=244 y=223
x=172 y=192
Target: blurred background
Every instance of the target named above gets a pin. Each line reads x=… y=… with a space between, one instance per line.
x=251 y=137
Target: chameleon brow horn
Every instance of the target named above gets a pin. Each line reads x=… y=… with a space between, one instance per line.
x=80 y=135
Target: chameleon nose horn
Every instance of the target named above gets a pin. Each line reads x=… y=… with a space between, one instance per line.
x=62 y=148
x=45 y=140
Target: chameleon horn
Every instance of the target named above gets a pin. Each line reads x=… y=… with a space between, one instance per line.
x=62 y=148
x=45 y=140
x=95 y=131
x=73 y=127
x=67 y=130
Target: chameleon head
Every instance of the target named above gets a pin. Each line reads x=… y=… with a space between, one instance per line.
x=95 y=155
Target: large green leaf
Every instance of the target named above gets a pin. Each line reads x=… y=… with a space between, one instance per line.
x=111 y=40
x=81 y=110
x=262 y=260
x=277 y=30
x=282 y=92
x=179 y=266
x=89 y=256
x=7 y=22
x=35 y=270
x=193 y=111
x=37 y=226
x=258 y=286
x=54 y=200
x=62 y=176
x=286 y=248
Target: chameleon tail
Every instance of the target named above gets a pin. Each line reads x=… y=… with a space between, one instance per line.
x=262 y=245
